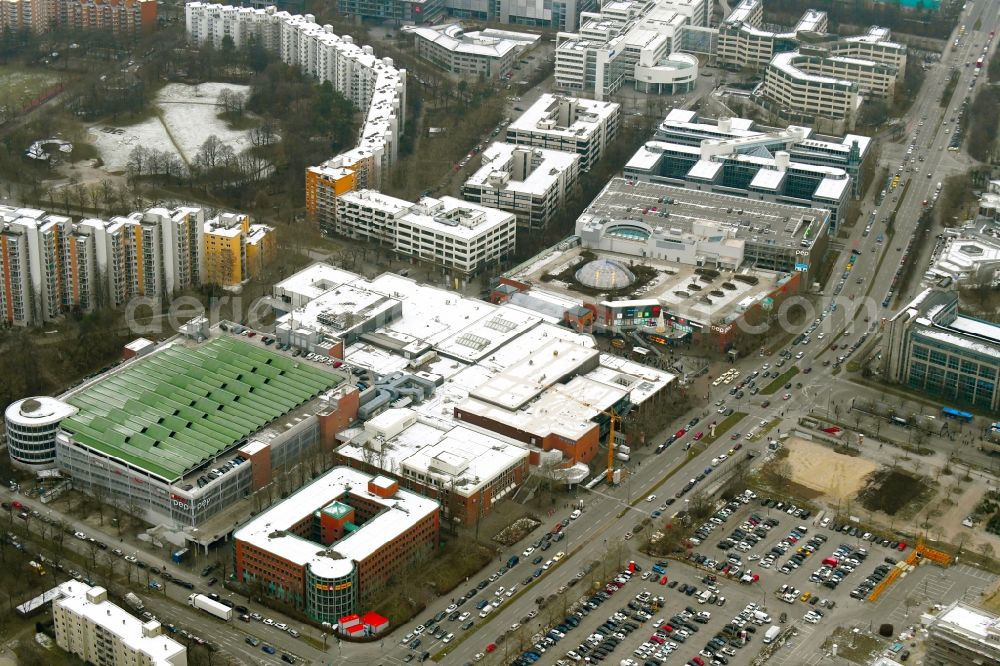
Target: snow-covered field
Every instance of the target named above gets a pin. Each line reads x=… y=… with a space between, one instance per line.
x=190 y=115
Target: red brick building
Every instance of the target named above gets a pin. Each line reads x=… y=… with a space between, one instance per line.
x=336 y=542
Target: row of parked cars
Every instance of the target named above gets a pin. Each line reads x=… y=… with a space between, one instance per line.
x=851 y=530
x=802 y=552
x=865 y=587
x=838 y=566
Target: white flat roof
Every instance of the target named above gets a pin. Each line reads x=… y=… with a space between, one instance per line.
x=459 y=457
x=524 y=381
x=314 y=280
x=487 y=43
x=398 y=515
x=971 y=620
x=769 y=179
x=499 y=156
x=567 y=410
x=590 y=115
x=127 y=628
x=831 y=188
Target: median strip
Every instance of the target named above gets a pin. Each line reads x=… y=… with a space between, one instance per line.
x=782 y=379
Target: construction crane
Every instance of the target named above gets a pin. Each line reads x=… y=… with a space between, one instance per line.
x=614 y=418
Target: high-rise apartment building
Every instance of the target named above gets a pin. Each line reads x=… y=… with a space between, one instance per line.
x=119 y=16
x=374 y=85
x=51 y=265
x=235 y=250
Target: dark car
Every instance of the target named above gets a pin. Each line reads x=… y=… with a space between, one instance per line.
x=213 y=581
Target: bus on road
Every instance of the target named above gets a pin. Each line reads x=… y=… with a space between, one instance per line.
x=952 y=413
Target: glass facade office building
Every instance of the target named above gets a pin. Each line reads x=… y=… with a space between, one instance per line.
x=934 y=349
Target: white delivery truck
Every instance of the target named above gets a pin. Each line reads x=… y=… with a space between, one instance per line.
x=211 y=606
x=133 y=601
x=771 y=634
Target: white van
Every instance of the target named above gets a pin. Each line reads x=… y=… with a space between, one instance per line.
x=771 y=634
x=704 y=596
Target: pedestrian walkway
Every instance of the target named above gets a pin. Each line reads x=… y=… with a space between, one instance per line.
x=791 y=651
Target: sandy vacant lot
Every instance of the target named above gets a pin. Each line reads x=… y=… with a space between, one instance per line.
x=835 y=475
x=191 y=115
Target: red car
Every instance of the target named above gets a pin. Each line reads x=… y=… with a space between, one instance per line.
x=680 y=433
x=558 y=528
x=491 y=647
x=17 y=505
x=735 y=435
x=698 y=660
x=698 y=435
x=901 y=547
x=656 y=639
x=663 y=581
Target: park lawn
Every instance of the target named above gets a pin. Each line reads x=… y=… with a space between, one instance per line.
x=782 y=379
x=19 y=85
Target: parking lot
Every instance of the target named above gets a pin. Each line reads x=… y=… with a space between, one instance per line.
x=761 y=566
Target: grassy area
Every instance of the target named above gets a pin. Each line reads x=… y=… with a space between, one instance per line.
x=19 y=84
x=724 y=427
x=949 y=91
x=766 y=429
x=782 y=379
x=456 y=561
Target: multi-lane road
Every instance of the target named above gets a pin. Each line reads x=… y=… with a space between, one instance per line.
x=609 y=513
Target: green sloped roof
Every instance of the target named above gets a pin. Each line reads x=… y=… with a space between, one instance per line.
x=181 y=406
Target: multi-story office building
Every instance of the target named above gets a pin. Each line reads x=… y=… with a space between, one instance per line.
x=489 y=53
x=552 y=14
x=730 y=156
x=810 y=74
x=336 y=542
x=119 y=16
x=532 y=183
x=813 y=83
x=459 y=236
x=569 y=124
x=99 y=632
x=962 y=634
x=745 y=43
x=630 y=42
x=967 y=257
x=933 y=348
x=374 y=85
x=235 y=250
x=52 y=265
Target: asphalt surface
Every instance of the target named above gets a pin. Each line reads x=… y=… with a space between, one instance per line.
x=607 y=512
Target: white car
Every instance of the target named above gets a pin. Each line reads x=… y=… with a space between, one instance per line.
x=448 y=638
x=558 y=556
x=528 y=551
x=80 y=535
x=464 y=616
x=576 y=514
x=651 y=498
x=281 y=625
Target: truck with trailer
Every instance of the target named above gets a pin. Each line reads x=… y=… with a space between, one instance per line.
x=210 y=606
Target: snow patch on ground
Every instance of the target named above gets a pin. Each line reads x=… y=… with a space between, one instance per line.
x=190 y=114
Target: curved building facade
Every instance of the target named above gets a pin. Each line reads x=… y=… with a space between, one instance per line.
x=331 y=597
x=32 y=424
